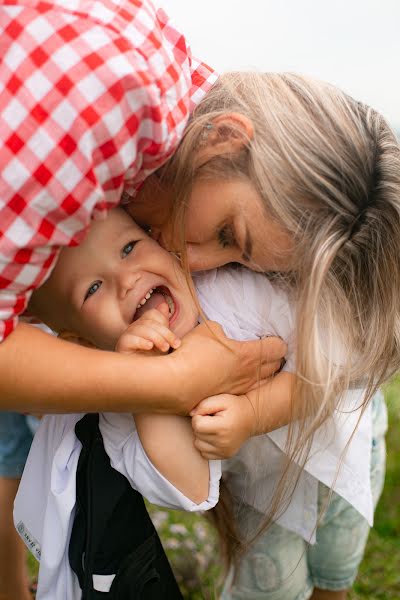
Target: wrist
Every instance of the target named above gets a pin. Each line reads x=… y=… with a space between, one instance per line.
x=258 y=416
x=182 y=389
x=251 y=421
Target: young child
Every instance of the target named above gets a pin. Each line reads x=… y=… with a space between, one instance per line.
x=105 y=292
x=154 y=452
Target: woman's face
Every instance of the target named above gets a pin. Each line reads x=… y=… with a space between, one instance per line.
x=225 y=222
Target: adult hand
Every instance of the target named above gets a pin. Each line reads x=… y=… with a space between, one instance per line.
x=208 y=363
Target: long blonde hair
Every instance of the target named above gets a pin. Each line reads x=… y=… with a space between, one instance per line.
x=328 y=170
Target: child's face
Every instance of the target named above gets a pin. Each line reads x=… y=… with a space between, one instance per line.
x=113 y=277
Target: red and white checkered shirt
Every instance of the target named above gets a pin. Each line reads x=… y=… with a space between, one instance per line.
x=94 y=95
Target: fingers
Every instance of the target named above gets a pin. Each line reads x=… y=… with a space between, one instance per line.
x=129 y=342
x=270 y=368
x=209 y=406
x=163 y=309
x=213 y=449
x=268 y=352
x=205 y=425
x=208 y=450
x=148 y=332
x=273 y=349
x=159 y=315
x=266 y=355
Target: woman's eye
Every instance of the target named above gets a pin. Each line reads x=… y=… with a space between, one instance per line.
x=226 y=237
x=127 y=249
x=92 y=289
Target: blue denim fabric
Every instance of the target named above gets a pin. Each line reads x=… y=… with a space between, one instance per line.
x=280 y=565
x=16 y=434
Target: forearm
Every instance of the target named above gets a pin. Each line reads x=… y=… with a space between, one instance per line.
x=168 y=443
x=41 y=373
x=272 y=401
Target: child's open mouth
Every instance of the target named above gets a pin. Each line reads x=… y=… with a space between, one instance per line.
x=153 y=299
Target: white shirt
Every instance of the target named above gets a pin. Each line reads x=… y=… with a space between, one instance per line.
x=45 y=502
x=249 y=306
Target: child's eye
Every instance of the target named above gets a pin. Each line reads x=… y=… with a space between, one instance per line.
x=226 y=237
x=127 y=249
x=96 y=285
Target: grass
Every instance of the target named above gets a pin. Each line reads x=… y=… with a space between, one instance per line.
x=191 y=545
x=194 y=555
x=379 y=575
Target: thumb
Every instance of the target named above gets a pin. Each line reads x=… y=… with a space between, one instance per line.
x=209 y=406
x=164 y=310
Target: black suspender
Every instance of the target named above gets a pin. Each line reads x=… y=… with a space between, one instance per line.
x=112 y=534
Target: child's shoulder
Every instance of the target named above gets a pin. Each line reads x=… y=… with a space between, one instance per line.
x=237 y=278
x=238 y=285
x=242 y=301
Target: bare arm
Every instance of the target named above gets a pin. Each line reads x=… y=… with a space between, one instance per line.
x=40 y=373
x=272 y=402
x=168 y=442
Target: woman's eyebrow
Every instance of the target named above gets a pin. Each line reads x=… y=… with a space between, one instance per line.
x=248 y=246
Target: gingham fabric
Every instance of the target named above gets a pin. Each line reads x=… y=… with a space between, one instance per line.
x=94 y=95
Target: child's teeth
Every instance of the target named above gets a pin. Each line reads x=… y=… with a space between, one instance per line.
x=171 y=304
x=144 y=300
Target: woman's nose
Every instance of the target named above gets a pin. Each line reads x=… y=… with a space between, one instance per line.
x=201 y=258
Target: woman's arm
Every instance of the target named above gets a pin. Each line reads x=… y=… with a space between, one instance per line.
x=271 y=402
x=41 y=373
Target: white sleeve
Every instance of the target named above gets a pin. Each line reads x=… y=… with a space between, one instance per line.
x=123 y=446
x=45 y=502
x=247 y=306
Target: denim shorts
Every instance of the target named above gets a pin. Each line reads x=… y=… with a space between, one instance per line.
x=16 y=434
x=280 y=565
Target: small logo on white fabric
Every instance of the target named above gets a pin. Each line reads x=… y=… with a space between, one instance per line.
x=30 y=541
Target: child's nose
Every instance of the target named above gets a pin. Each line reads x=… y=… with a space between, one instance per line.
x=126 y=281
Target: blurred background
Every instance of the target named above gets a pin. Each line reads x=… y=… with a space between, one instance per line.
x=354 y=44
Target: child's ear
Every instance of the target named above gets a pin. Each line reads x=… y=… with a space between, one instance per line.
x=69 y=336
x=226 y=134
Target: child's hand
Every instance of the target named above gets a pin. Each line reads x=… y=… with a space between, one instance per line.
x=222 y=424
x=151 y=331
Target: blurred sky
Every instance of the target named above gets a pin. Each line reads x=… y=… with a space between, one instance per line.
x=354 y=44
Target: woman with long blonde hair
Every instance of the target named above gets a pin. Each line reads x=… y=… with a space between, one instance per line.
x=291 y=176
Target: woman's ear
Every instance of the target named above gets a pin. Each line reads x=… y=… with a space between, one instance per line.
x=226 y=134
x=75 y=339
